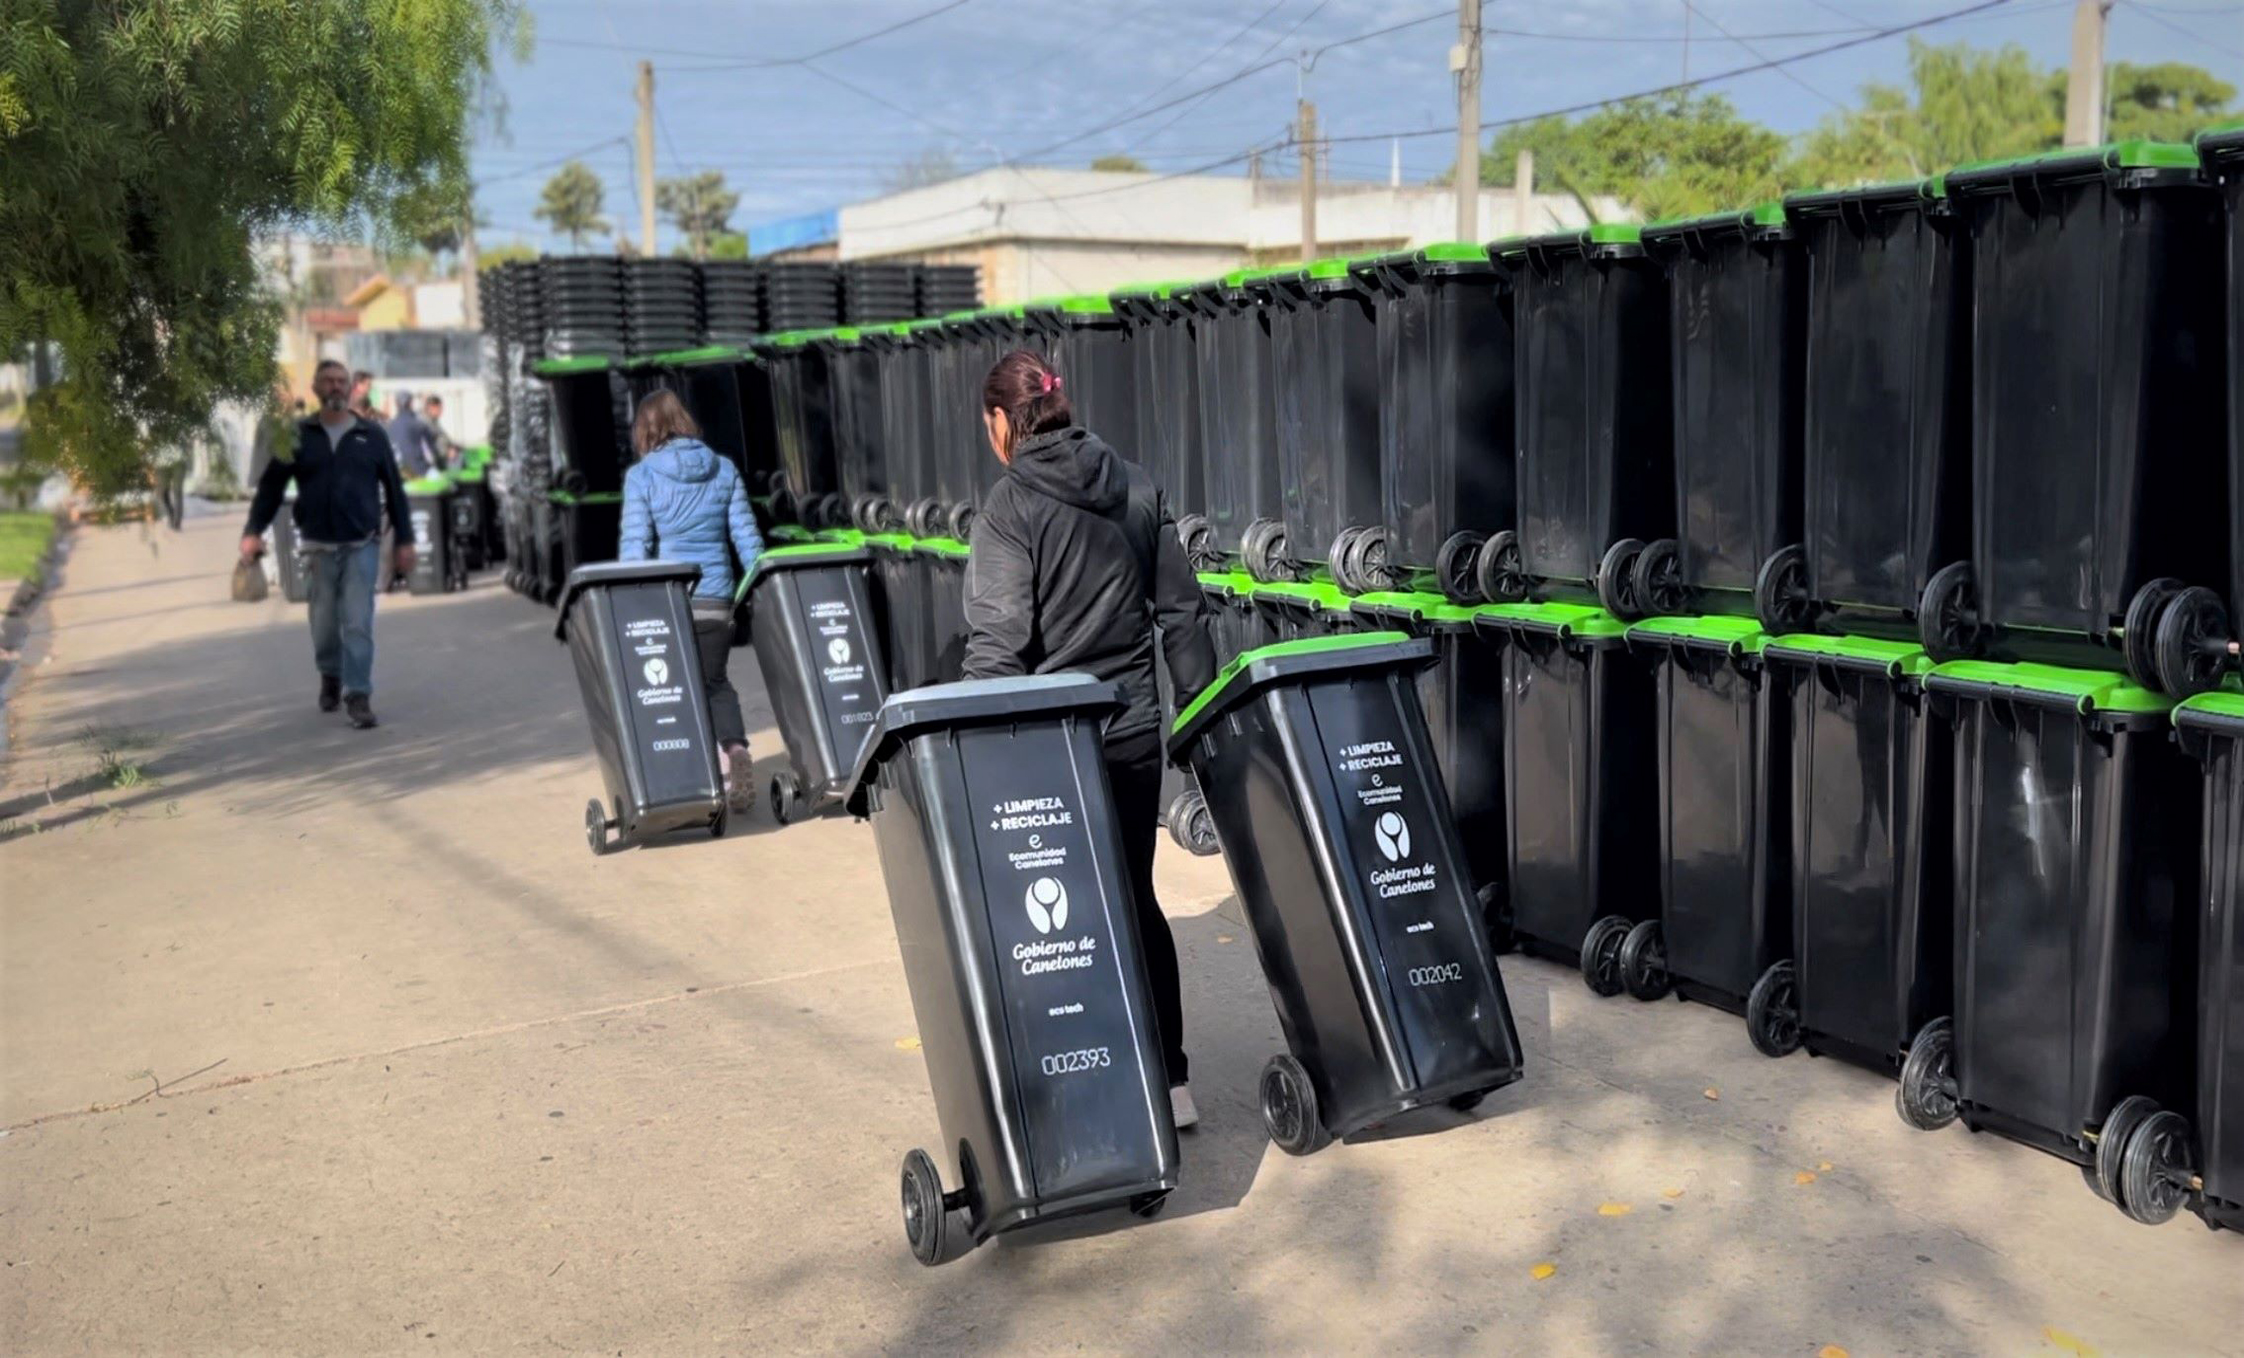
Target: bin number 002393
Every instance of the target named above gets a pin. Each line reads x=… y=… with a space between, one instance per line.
x=1074 y=1062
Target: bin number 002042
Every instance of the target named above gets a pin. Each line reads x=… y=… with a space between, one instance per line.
x=1071 y=1063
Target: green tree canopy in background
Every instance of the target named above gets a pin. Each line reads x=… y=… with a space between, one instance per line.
x=728 y=245
x=148 y=144
x=1119 y=164
x=2170 y=101
x=1664 y=155
x=571 y=203
x=700 y=204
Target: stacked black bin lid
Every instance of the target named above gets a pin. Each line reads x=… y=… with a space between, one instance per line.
x=873 y=293
x=732 y=302
x=802 y=297
x=661 y=306
x=522 y=304
x=583 y=297
x=945 y=288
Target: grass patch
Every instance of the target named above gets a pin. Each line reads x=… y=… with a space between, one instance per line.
x=24 y=537
x=119 y=755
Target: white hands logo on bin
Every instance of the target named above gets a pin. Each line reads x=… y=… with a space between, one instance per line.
x=1047 y=904
x=1393 y=836
x=658 y=673
x=837 y=650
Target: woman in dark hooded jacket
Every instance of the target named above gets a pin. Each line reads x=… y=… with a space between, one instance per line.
x=1075 y=567
x=682 y=499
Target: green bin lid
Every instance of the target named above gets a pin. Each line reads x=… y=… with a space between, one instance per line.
x=797 y=557
x=2220 y=712
x=1733 y=636
x=1302 y=658
x=588 y=497
x=941 y=547
x=2071 y=163
x=436 y=483
x=1891 y=196
x=1892 y=658
x=688 y=358
x=2083 y=691
x=1553 y=619
x=565 y=367
x=1236 y=583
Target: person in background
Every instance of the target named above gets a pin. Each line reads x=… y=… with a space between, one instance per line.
x=410 y=438
x=682 y=499
x=1076 y=563
x=445 y=451
x=344 y=472
x=362 y=396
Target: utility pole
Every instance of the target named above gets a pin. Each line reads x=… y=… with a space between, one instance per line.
x=646 y=160
x=1464 y=59
x=2084 y=90
x=1523 y=192
x=1308 y=138
x=471 y=311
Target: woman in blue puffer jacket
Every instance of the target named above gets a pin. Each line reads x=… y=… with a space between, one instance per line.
x=687 y=502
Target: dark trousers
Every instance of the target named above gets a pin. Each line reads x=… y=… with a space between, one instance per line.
x=712 y=636
x=1133 y=768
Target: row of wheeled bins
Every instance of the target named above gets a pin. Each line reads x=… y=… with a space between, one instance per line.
x=1832 y=601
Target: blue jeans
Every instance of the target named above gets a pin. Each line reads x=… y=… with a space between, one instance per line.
x=342 y=587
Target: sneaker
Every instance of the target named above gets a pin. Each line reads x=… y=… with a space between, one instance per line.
x=1181 y=1108
x=330 y=693
x=361 y=711
x=740 y=776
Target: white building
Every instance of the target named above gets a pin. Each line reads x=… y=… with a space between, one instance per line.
x=1036 y=232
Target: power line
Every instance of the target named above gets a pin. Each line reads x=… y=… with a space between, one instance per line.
x=1680 y=85
x=766 y=63
x=578 y=154
x=1205 y=57
x=2191 y=34
x=1752 y=51
x=1188 y=109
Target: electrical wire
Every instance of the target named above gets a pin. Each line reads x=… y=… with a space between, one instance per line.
x=2191 y=34
x=764 y=63
x=555 y=163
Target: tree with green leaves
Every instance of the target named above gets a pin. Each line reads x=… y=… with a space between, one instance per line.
x=148 y=144
x=1119 y=164
x=701 y=206
x=1664 y=155
x=2169 y=101
x=728 y=245
x=571 y=203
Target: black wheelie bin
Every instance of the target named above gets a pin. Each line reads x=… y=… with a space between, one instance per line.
x=2195 y=1155
x=1738 y=307
x=1165 y=382
x=1888 y=453
x=1873 y=918
x=2077 y=822
x=1238 y=418
x=1596 y=469
x=438 y=563
x=1006 y=876
x=855 y=367
x=1447 y=424
x=630 y=631
x=1724 y=935
x=811 y=619
x=288 y=553
x=1090 y=345
x=1581 y=792
x=2196 y=646
x=1324 y=337
x=2096 y=494
x=1320 y=775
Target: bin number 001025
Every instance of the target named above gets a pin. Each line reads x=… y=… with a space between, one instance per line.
x=1075 y=1062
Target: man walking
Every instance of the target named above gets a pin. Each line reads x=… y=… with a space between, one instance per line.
x=432 y=418
x=344 y=471
x=410 y=440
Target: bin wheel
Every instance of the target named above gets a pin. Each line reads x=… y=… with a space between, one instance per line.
x=1772 y=1011
x=1289 y=1107
x=1340 y=560
x=1616 y=578
x=718 y=821
x=2138 y=628
x=2111 y=1146
x=1657 y=579
x=962 y=522
x=2158 y=1168
x=1367 y=561
x=1496 y=919
x=1197 y=536
x=1780 y=593
x=1265 y=551
x=1192 y=825
x=1643 y=960
x=786 y=797
x=1601 y=955
x=1499 y=573
x=1147 y=1206
x=2192 y=644
x=1457 y=568
x=596 y=828
x=925 y=1217
x=1926 y=1095
x=1466 y=1103
x=1948 y=620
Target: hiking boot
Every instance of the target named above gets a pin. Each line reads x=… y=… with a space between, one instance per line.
x=330 y=693
x=360 y=711
x=740 y=777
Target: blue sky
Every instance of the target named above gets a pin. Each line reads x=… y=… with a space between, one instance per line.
x=993 y=79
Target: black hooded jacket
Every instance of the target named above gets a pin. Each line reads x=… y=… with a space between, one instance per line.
x=1075 y=562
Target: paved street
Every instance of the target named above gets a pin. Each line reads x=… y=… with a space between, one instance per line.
x=315 y=1040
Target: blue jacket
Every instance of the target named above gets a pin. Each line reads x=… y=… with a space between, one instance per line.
x=687 y=501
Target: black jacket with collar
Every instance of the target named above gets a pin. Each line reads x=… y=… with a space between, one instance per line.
x=340 y=485
x=1075 y=563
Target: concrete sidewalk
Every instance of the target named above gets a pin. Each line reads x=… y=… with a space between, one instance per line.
x=314 y=1040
